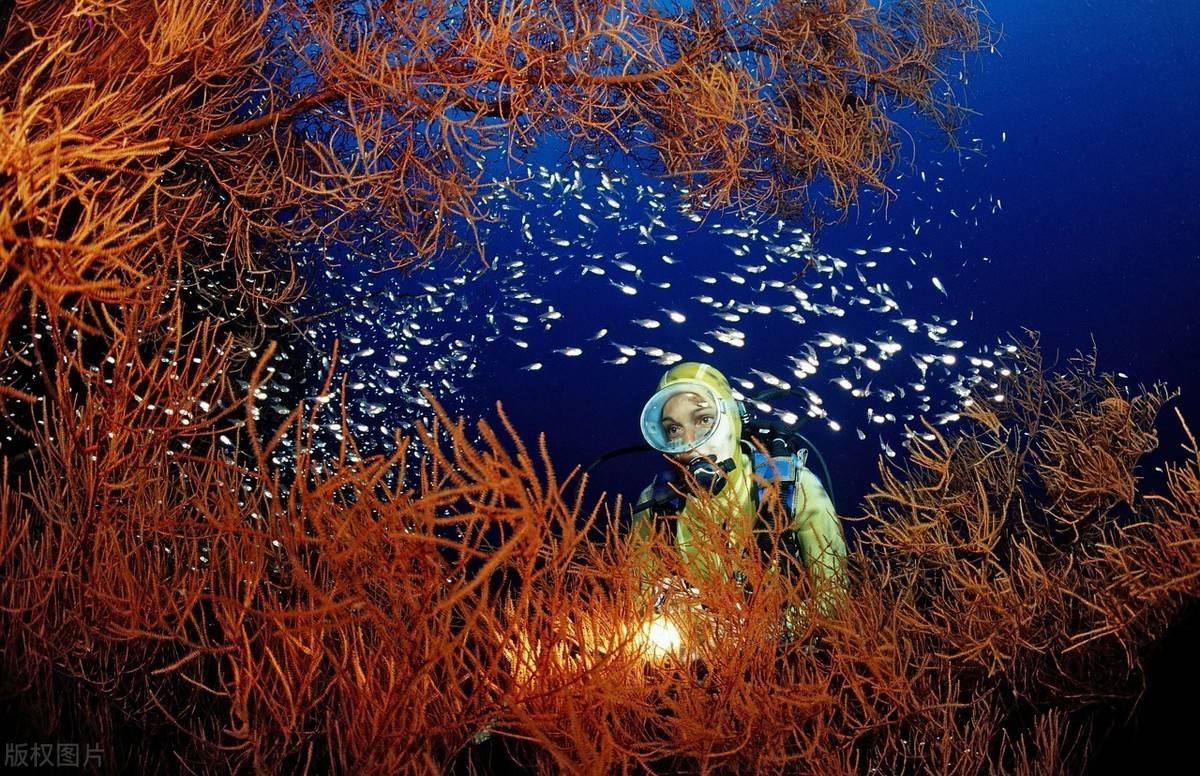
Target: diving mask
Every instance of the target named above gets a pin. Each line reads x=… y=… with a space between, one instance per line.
x=682 y=417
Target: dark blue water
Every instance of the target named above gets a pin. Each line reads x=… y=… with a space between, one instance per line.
x=1101 y=234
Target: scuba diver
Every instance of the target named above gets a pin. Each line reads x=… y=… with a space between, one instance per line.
x=694 y=419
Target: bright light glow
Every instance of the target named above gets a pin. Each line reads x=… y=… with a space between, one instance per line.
x=661 y=637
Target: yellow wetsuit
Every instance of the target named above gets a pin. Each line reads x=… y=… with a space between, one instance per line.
x=814 y=523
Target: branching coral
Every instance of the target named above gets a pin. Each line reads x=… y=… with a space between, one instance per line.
x=380 y=614
x=253 y=131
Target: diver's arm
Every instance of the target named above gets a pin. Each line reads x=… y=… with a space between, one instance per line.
x=819 y=531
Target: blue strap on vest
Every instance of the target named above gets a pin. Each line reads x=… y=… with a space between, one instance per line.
x=784 y=469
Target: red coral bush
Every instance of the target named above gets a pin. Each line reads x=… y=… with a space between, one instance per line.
x=382 y=614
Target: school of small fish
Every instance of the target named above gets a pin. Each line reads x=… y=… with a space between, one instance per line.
x=599 y=269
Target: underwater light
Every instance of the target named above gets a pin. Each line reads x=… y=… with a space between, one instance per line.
x=660 y=637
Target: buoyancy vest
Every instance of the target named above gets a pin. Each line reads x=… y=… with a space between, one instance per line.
x=783 y=464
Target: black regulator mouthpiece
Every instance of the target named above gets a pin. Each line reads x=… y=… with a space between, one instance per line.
x=710 y=475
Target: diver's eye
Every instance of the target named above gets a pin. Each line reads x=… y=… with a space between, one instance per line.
x=673 y=431
x=706 y=420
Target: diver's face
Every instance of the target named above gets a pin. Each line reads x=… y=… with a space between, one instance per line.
x=688 y=416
